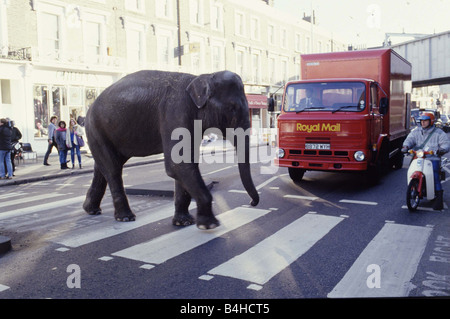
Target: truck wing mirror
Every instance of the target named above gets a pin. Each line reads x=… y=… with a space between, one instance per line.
x=270 y=104
x=384 y=105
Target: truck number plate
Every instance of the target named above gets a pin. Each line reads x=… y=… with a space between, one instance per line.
x=316 y=146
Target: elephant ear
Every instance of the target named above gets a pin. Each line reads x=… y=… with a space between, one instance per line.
x=199 y=90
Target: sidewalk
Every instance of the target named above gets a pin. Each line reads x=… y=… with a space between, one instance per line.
x=34 y=171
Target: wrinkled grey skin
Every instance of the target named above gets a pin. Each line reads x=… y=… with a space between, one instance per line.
x=136 y=117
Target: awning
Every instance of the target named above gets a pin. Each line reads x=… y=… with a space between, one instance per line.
x=256 y=101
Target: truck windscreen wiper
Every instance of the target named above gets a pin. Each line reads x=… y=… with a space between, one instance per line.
x=310 y=108
x=342 y=107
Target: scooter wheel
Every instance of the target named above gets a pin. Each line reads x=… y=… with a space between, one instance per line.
x=412 y=195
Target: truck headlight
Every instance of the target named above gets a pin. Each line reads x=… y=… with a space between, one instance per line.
x=280 y=153
x=359 y=156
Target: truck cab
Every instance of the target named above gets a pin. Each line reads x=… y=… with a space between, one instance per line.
x=343 y=123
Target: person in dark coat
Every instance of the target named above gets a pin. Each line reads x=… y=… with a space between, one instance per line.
x=5 y=149
x=60 y=137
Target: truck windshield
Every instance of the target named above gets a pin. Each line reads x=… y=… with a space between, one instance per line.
x=325 y=96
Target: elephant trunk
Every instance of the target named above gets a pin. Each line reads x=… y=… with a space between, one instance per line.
x=243 y=155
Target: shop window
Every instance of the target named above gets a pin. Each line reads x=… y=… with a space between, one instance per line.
x=59 y=99
x=41 y=113
x=5 y=91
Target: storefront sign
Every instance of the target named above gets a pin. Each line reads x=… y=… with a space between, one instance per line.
x=256 y=100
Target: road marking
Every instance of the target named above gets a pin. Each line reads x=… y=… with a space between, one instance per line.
x=361 y=202
x=312 y=198
x=257 y=187
x=7 y=195
x=219 y=170
x=3 y=287
x=26 y=199
x=397 y=250
x=170 y=245
x=430 y=209
x=266 y=182
x=42 y=207
x=94 y=233
x=266 y=259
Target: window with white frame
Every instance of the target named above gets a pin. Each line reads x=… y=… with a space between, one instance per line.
x=256 y=66
x=50 y=32
x=165 y=47
x=283 y=38
x=271 y=34
x=196 y=12
x=218 y=56
x=255 y=28
x=298 y=42
x=239 y=26
x=136 y=45
x=240 y=62
x=93 y=40
x=135 y=5
x=216 y=16
x=272 y=72
x=164 y=9
x=284 y=69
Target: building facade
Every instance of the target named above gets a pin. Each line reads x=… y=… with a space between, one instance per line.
x=56 y=56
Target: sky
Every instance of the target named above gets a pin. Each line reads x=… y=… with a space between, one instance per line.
x=365 y=22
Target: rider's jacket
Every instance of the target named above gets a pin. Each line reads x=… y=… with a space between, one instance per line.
x=437 y=141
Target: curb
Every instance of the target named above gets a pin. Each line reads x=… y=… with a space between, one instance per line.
x=5 y=244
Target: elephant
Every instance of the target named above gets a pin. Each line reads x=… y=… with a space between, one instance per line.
x=136 y=117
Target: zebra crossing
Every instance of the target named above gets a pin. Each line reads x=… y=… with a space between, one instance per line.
x=397 y=249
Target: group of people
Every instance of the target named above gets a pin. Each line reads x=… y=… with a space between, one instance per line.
x=64 y=139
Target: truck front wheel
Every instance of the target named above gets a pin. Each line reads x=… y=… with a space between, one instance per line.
x=296 y=174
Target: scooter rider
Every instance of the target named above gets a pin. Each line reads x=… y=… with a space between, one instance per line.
x=428 y=137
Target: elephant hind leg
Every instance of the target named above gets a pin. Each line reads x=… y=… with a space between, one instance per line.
x=95 y=193
x=182 y=216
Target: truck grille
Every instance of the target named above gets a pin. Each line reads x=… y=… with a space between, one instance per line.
x=317 y=152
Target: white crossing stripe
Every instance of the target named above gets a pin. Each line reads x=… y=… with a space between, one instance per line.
x=3 y=287
x=170 y=245
x=397 y=250
x=7 y=195
x=42 y=207
x=362 y=202
x=26 y=199
x=312 y=198
x=94 y=233
x=266 y=259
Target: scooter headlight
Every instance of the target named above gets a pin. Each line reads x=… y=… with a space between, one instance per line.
x=359 y=156
x=419 y=153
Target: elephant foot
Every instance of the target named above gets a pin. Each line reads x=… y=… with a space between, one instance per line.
x=207 y=222
x=92 y=210
x=125 y=217
x=183 y=219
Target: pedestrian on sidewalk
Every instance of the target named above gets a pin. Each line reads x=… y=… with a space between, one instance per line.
x=15 y=137
x=63 y=143
x=5 y=149
x=51 y=138
x=75 y=136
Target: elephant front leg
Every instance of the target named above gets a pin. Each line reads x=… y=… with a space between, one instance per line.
x=182 y=216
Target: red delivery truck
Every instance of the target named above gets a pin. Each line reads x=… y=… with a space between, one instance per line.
x=349 y=112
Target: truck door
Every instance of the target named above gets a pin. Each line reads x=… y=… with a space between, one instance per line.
x=376 y=117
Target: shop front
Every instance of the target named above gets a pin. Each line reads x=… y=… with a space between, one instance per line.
x=65 y=94
x=257 y=104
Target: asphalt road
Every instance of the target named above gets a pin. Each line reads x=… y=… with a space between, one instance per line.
x=330 y=236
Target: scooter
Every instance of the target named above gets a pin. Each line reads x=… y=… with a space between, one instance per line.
x=420 y=178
